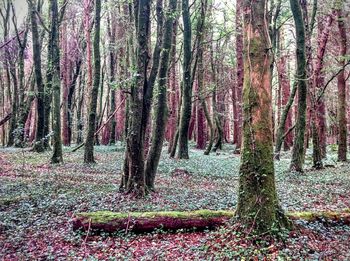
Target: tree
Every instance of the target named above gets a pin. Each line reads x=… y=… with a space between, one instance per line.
x=258 y=205
x=297 y=161
x=39 y=145
x=23 y=106
x=54 y=70
x=161 y=110
x=342 y=121
x=133 y=177
x=89 y=142
x=186 y=104
x=237 y=92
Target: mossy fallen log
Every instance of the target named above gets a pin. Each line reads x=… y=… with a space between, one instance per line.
x=139 y=222
x=150 y=221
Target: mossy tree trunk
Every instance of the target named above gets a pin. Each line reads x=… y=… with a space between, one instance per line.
x=186 y=104
x=342 y=121
x=54 y=66
x=89 y=141
x=161 y=109
x=258 y=207
x=297 y=161
x=40 y=90
x=134 y=158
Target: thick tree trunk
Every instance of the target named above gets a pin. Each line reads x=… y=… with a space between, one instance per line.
x=89 y=142
x=135 y=178
x=187 y=83
x=297 y=161
x=258 y=207
x=342 y=107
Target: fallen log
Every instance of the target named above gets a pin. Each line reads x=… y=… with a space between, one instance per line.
x=140 y=222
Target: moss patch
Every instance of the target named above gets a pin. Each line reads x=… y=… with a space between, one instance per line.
x=106 y=216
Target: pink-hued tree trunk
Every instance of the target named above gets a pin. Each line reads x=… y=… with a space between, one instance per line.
x=285 y=92
x=174 y=92
x=342 y=121
x=87 y=27
x=240 y=76
x=65 y=71
x=201 y=130
x=318 y=80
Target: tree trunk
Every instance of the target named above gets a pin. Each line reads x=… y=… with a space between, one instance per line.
x=39 y=145
x=89 y=142
x=54 y=67
x=161 y=109
x=297 y=161
x=186 y=104
x=135 y=137
x=258 y=207
x=318 y=81
x=174 y=93
x=342 y=107
x=240 y=75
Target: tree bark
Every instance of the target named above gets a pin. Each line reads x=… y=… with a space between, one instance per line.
x=135 y=178
x=39 y=145
x=342 y=106
x=297 y=161
x=239 y=78
x=186 y=104
x=89 y=142
x=54 y=67
x=258 y=207
x=161 y=109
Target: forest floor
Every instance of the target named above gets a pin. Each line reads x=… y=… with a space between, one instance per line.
x=38 y=200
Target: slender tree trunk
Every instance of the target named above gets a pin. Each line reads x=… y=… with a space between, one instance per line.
x=239 y=77
x=161 y=110
x=342 y=107
x=40 y=99
x=297 y=161
x=318 y=81
x=174 y=90
x=112 y=60
x=258 y=207
x=80 y=124
x=186 y=104
x=54 y=67
x=89 y=142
